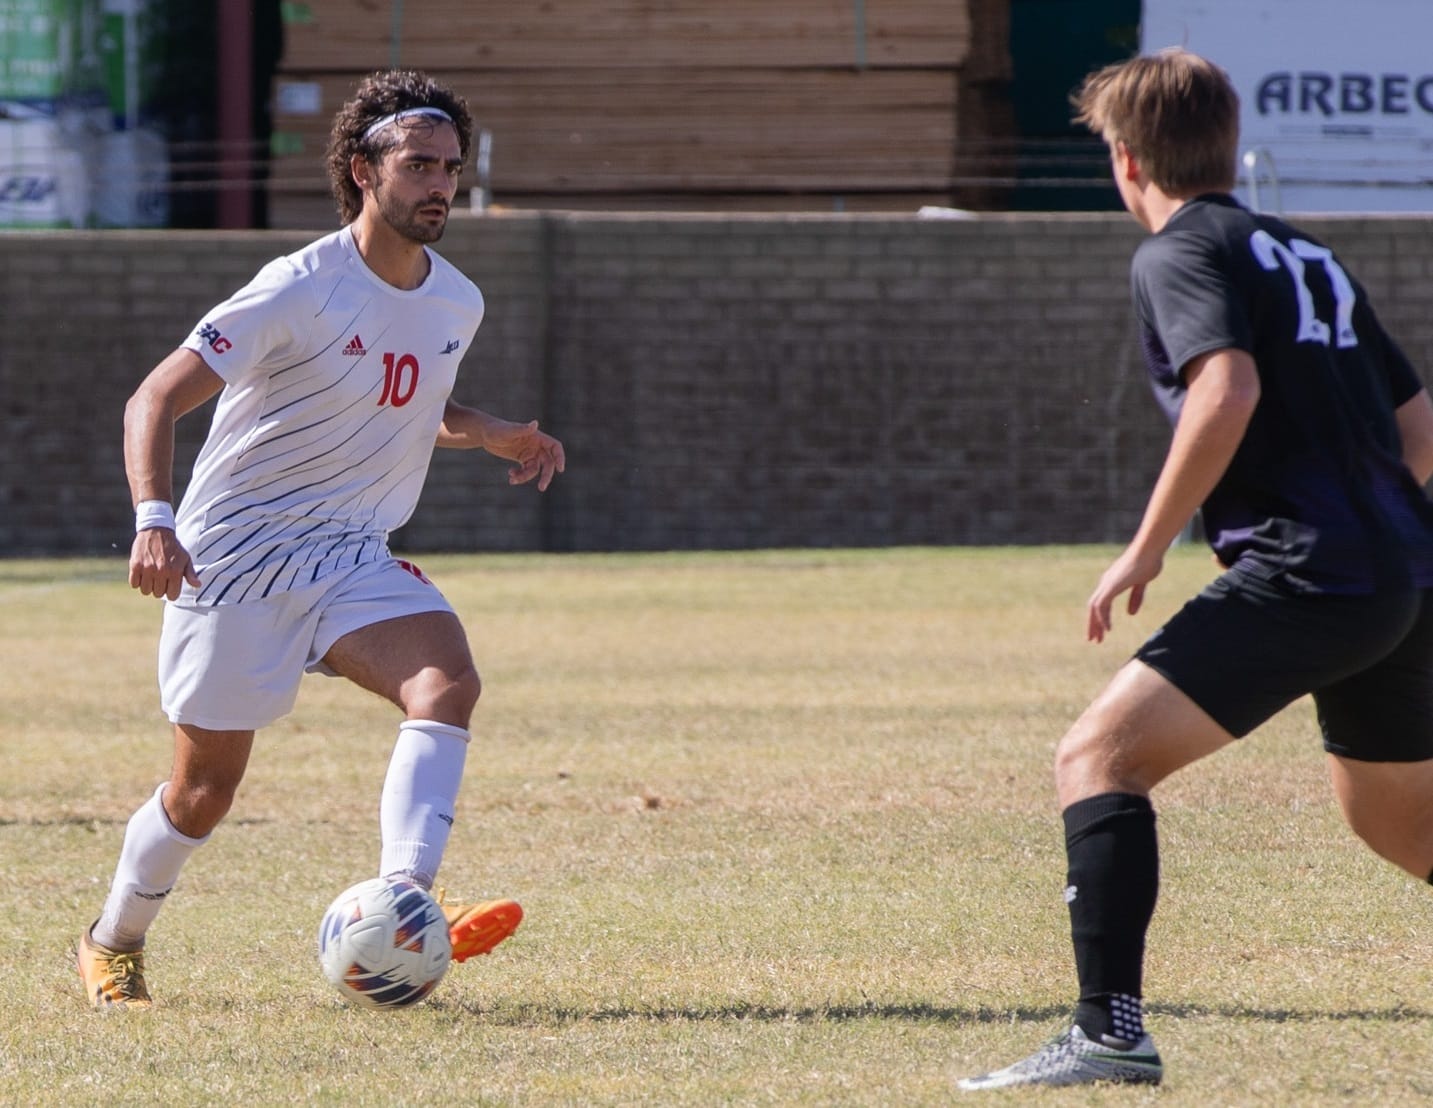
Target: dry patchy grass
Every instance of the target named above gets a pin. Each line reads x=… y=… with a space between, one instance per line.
x=782 y=823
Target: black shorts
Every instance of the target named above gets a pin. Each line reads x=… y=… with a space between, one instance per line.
x=1245 y=648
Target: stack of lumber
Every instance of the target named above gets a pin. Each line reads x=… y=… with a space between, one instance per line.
x=593 y=101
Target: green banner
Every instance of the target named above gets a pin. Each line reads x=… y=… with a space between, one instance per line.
x=130 y=53
x=39 y=48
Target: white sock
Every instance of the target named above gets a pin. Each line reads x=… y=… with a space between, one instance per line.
x=420 y=792
x=149 y=862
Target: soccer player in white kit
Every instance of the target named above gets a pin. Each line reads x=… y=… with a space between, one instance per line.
x=334 y=368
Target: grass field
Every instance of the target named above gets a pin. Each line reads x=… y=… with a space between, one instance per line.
x=783 y=826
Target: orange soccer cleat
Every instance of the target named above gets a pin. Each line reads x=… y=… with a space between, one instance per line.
x=477 y=928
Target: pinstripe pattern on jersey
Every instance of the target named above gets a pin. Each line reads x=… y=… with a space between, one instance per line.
x=306 y=468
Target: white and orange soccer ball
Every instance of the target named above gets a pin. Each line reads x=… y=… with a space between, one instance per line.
x=384 y=943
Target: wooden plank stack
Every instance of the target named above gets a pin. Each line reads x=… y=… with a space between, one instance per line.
x=594 y=103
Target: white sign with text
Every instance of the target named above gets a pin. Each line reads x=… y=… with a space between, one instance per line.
x=1336 y=96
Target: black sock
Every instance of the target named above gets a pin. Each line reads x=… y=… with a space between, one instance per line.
x=1111 y=887
x=1113 y=1016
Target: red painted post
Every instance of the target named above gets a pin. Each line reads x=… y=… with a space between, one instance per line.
x=235 y=208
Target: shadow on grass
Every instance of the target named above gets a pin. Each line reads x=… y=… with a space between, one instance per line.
x=757 y=1013
x=524 y=1014
x=1397 y=1014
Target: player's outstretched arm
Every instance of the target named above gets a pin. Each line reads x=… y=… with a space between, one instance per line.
x=537 y=454
x=158 y=564
x=1415 y=429
x=1223 y=392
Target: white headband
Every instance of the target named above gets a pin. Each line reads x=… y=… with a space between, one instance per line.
x=406 y=113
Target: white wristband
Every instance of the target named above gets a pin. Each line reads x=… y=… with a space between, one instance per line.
x=149 y=514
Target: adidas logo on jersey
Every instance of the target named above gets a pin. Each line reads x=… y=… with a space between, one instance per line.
x=355 y=346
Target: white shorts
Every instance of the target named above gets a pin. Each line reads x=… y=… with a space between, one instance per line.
x=237 y=667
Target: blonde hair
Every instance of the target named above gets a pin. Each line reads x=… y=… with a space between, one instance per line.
x=1176 y=112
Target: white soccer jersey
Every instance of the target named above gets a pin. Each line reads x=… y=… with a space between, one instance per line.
x=334 y=388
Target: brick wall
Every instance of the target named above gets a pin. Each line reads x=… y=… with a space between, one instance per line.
x=719 y=381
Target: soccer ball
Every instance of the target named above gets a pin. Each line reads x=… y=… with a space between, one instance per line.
x=384 y=943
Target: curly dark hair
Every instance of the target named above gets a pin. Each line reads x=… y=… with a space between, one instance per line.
x=380 y=94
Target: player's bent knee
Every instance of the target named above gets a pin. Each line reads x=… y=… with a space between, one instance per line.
x=1387 y=805
x=1089 y=761
x=466 y=688
x=450 y=697
x=1402 y=838
x=1080 y=757
x=196 y=809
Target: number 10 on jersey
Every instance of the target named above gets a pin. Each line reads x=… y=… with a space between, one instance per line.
x=400 y=379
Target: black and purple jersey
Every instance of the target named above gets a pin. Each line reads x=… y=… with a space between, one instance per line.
x=1317 y=497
